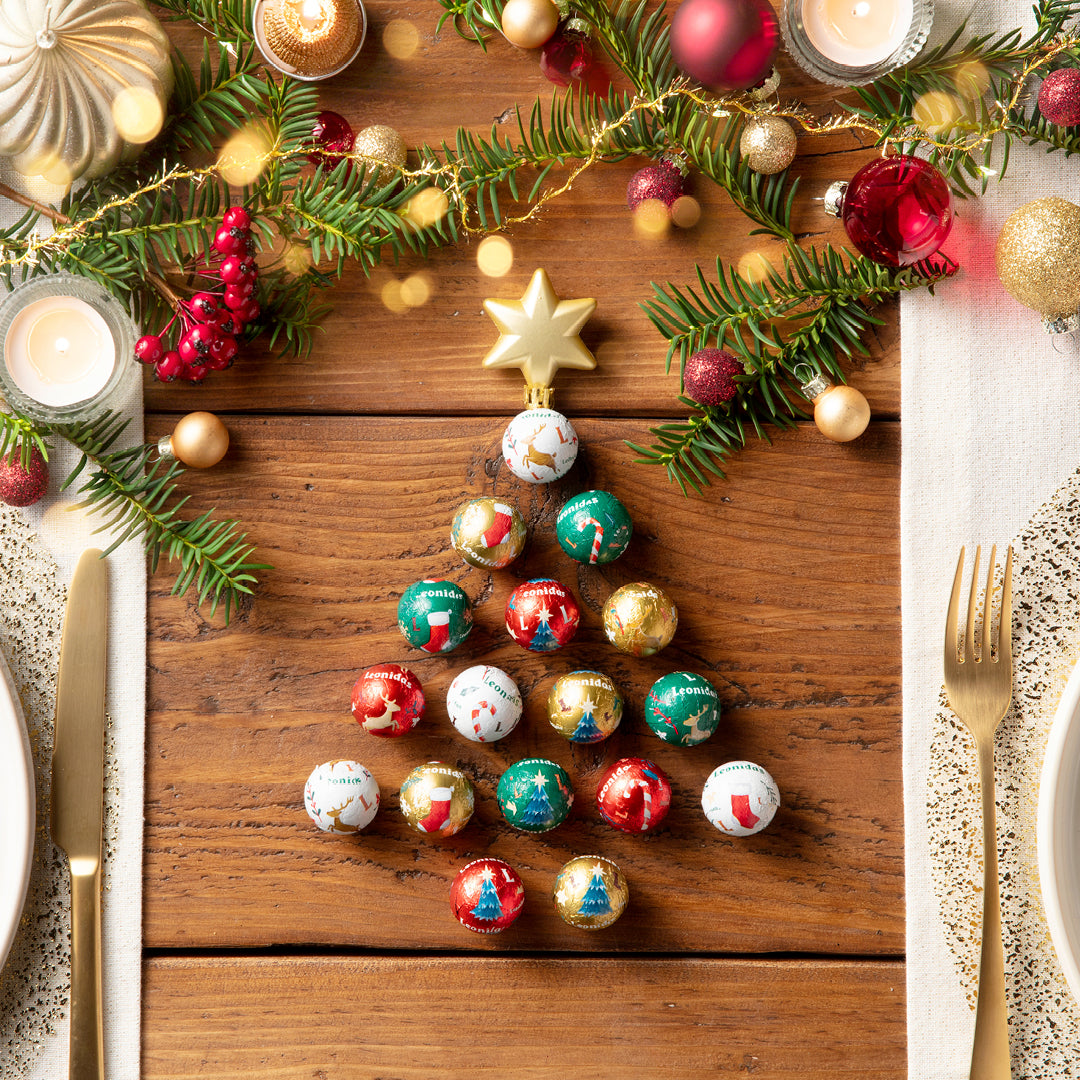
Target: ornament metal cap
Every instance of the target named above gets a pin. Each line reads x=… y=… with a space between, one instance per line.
x=815 y=386
x=767 y=87
x=834 y=198
x=1062 y=324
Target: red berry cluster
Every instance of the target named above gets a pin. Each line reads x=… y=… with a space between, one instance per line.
x=210 y=321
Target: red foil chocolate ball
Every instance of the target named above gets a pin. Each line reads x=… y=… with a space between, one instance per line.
x=634 y=795
x=487 y=896
x=387 y=700
x=542 y=615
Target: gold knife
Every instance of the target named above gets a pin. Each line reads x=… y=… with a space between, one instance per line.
x=78 y=779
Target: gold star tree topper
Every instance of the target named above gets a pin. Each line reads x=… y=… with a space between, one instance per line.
x=539 y=334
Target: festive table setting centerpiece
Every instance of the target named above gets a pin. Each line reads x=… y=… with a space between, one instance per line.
x=166 y=222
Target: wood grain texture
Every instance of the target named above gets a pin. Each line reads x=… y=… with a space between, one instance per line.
x=521 y=1019
x=786 y=578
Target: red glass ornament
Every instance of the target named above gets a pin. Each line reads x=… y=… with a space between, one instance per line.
x=662 y=181
x=19 y=486
x=709 y=377
x=634 y=795
x=568 y=57
x=727 y=44
x=897 y=210
x=542 y=615
x=1059 y=97
x=387 y=700
x=333 y=136
x=487 y=896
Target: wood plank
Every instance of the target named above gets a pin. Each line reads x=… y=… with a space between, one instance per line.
x=427 y=359
x=787 y=582
x=521 y=1019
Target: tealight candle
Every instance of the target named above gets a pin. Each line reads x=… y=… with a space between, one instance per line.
x=64 y=340
x=309 y=39
x=853 y=42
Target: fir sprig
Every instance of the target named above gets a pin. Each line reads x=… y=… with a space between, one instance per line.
x=17 y=433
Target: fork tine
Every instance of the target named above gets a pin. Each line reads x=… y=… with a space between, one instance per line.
x=952 y=621
x=988 y=608
x=1005 y=625
x=973 y=603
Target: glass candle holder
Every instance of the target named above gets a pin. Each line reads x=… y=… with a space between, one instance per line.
x=854 y=42
x=65 y=344
x=309 y=39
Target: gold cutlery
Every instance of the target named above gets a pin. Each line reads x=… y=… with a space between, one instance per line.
x=78 y=768
x=979 y=688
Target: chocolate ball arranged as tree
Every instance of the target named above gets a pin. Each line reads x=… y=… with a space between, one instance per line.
x=584 y=706
x=539 y=446
x=535 y=795
x=435 y=615
x=709 y=376
x=483 y=703
x=663 y=181
x=682 y=708
x=634 y=795
x=591 y=892
x=542 y=615
x=640 y=619
x=23 y=486
x=725 y=44
x=1059 y=97
x=488 y=533
x=437 y=799
x=487 y=895
x=529 y=23
x=593 y=527
x=387 y=700
x=341 y=796
x=740 y=798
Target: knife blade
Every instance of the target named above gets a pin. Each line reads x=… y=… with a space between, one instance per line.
x=78 y=778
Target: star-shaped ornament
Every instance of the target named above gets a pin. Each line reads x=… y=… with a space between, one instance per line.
x=539 y=334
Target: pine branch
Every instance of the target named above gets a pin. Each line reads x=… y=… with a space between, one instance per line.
x=22 y=434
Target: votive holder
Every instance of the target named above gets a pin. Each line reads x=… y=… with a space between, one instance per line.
x=309 y=39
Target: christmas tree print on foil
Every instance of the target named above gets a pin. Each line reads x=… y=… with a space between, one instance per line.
x=586 y=730
x=538 y=811
x=488 y=905
x=596 y=900
x=544 y=640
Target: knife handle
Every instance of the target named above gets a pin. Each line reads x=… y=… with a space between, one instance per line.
x=87 y=1044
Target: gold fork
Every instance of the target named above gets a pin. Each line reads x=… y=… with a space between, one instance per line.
x=979 y=689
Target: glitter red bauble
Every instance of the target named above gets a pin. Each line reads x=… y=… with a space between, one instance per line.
x=634 y=795
x=897 y=210
x=19 y=486
x=1059 y=97
x=333 y=136
x=662 y=181
x=709 y=376
x=726 y=44
x=542 y=615
x=387 y=700
x=487 y=895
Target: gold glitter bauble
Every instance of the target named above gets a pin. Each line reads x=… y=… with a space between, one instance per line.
x=200 y=440
x=381 y=145
x=1038 y=257
x=591 y=892
x=584 y=706
x=841 y=413
x=640 y=619
x=312 y=39
x=436 y=799
x=529 y=23
x=767 y=144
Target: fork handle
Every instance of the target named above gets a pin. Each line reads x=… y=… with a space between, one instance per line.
x=990 y=1053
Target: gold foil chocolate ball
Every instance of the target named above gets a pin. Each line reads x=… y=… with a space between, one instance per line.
x=584 y=706
x=488 y=533
x=529 y=23
x=640 y=619
x=767 y=144
x=381 y=145
x=591 y=892
x=437 y=799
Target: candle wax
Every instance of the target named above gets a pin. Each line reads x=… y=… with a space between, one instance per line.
x=59 y=351
x=857 y=33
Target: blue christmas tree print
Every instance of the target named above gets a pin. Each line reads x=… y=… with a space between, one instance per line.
x=488 y=905
x=586 y=730
x=596 y=900
x=543 y=640
x=538 y=811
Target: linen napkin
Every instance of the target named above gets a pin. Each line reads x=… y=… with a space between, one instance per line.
x=989 y=434
x=39 y=547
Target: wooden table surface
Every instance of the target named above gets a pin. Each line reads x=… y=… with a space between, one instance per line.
x=275 y=951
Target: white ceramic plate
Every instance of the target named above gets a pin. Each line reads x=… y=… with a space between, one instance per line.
x=16 y=811
x=1059 y=832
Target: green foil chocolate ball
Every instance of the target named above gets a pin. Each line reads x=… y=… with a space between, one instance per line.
x=435 y=616
x=535 y=795
x=488 y=533
x=584 y=706
x=594 y=527
x=682 y=708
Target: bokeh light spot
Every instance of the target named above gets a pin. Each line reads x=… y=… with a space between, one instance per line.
x=401 y=39
x=416 y=290
x=651 y=219
x=494 y=256
x=244 y=156
x=138 y=114
x=296 y=258
x=427 y=207
x=972 y=80
x=755 y=266
x=390 y=294
x=686 y=211
x=936 y=111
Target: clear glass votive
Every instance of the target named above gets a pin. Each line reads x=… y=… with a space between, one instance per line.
x=309 y=39
x=854 y=42
x=65 y=345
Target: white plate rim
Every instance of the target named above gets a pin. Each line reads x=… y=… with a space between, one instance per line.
x=1058 y=813
x=17 y=809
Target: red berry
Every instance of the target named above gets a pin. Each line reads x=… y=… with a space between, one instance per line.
x=188 y=353
x=250 y=311
x=227 y=322
x=225 y=346
x=236 y=217
x=234 y=301
x=149 y=349
x=230 y=241
x=169 y=366
x=195 y=373
x=236 y=268
x=219 y=363
x=19 y=486
x=245 y=289
x=205 y=306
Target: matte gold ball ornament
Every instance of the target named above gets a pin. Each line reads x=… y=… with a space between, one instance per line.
x=199 y=440
x=767 y=144
x=529 y=23
x=841 y=412
x=1038 y=261
x=378 y=145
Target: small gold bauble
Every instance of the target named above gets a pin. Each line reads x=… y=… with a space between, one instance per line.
x=640 y=619
x=381 y=145
x=529 y=23
x=591 y=892
x=1038 y=256
x=767 y=144
x=841 y=413
x=200 y=440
